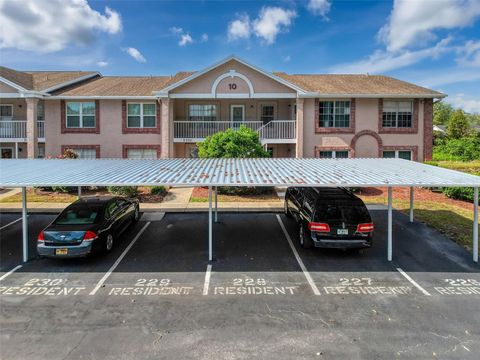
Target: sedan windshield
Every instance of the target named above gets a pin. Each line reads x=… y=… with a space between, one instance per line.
x=78 y=215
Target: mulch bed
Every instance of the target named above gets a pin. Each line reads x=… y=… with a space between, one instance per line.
x=202 y=193
x=421 y=194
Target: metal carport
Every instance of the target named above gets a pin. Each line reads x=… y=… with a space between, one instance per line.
x=236 y=172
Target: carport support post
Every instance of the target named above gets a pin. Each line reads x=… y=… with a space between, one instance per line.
x=475 y=224
x=79 y=192
x=210 y=225
x=216 y=205
x=389 y=223
x=411 y=204
x=24 y=224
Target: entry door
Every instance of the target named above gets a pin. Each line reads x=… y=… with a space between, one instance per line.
x=6 y=153
x=237 y=114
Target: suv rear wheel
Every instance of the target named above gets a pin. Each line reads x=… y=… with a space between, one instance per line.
x=304 y=236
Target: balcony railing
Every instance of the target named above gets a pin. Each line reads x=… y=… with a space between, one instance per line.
x=271 y=132
x=16 y=130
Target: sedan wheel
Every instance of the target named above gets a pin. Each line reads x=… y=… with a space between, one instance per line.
x=109 y=242
x=136 y=215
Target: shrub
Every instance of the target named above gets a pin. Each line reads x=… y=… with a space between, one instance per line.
x=65 y=189
x=241 y=143
x=464 y=149
x=158 y=190
x=129 y=191
x=459 y=193
x=244 y=190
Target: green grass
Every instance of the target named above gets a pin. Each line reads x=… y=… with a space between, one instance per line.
x=453 y=221
x=471 y=167
x=32 y=197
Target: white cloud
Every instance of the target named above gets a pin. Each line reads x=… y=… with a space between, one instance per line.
x=102 y=63
x=287 y=58
x=469 y=54
x=414 y=22
x=382 y=61
x=239 y=28
x=271 y=21
x=137 y=55
x=185 y=39
x=204 y=38
x=319 y=7
x=50 y=25
x=468 y=104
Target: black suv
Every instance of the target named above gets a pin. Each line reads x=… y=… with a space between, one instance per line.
x=329 y=217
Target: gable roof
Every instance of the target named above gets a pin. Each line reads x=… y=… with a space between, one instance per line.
x=197 y=74
x=43 y=80
x=359 y=84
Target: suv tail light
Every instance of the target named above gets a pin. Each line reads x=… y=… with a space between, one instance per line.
x=364 y=228
x=89 y=236
x=318 y=227
x=41 y=237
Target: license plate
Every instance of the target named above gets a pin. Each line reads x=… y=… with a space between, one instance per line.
x=61 y=251
x=342 y=231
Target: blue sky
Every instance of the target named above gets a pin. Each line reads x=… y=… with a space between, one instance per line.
x=435 y=43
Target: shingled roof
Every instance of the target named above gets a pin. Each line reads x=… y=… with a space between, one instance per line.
x=365 y=84
x=41 y=80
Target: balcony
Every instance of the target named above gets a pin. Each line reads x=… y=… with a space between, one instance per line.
x=273 y=132
x=16 y=131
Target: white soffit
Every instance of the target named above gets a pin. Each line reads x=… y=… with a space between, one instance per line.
x=230 y=172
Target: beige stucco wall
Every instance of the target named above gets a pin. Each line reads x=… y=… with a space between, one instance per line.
x=19 y=108
x=260 y=82
x=4 y=88
x=110 y=138
x=366 y=119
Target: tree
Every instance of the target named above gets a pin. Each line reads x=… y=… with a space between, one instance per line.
x=241 y=143
x=442 y=113
x=458 y=126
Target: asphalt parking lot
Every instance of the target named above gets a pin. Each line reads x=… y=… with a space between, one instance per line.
x=155 y=296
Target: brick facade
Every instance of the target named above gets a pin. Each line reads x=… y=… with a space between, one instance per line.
x=96 y=147
x=427 y=129
x=375 y=135
x=127 y=130
x=388 y=130
x=125 y=149
x=67 y=130
x=335 y=130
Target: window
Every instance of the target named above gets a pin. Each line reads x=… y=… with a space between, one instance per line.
x=80 y=114
x=267 y=113
x=397 y=114
x=6 y=112
x=141 y=153
x=140 y=115
x=398 y=154
x=334 y=114
x=202 y=112
x=85 y=153
x=41 y=111
x=78 y=215
x=336 y=154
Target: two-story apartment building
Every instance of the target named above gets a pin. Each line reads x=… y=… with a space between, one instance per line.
x=310 y=115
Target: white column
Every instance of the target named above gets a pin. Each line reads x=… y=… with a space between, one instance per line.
x=165 y=127
x=32 y=130
x=216 y=204
x=299 y=129
x=210 y=225
x=389 y=224
x=16 y=150
x=79 y=192
x=411 y=203
x=24 y=224
x=475 y=224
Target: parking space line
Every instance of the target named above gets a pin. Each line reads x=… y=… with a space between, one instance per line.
x=113 y=267
x=413 y=282
x=11 y=223
x=206 y=285
x=299 y=260
x=4 y=276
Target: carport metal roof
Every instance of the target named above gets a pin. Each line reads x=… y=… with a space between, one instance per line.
x=230 y=172
x=236 y=172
